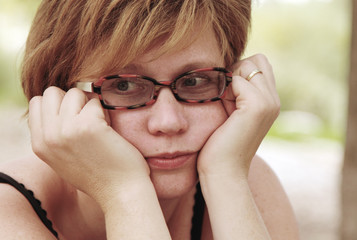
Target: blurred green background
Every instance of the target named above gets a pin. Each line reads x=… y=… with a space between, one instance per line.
x=15 y=20
x=307 y=42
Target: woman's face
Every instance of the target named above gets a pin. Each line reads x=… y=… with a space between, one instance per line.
x=169 y=133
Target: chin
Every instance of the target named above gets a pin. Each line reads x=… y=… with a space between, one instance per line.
x=171 y=185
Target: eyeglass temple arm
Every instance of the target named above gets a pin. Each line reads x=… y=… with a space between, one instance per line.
x=85 y=86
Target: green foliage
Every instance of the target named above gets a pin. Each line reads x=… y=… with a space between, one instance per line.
x=15 y=19
x=308 y=46
x=24 y=9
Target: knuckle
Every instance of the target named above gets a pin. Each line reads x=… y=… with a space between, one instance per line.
x=75 y=91
x=50 y=90
x=246 y=64
x=53 y=90
x=261 y=57
x=34 y=103
x=76 y=94
x=245 y=67
x=262 y=60
x=35 y=100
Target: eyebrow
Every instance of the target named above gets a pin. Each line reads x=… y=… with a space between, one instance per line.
x=139 y=68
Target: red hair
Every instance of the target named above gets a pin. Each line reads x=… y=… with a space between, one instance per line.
x=65 y=33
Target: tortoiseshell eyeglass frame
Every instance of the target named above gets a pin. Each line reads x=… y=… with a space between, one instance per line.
x=95 y=87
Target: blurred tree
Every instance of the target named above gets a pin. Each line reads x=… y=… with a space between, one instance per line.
x=349 y=175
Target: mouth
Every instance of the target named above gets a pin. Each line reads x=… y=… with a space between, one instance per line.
x=170 y=161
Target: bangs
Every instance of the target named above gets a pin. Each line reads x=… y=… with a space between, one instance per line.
x=168 y=26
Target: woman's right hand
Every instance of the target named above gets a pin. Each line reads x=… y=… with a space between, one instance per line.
x=73 y=136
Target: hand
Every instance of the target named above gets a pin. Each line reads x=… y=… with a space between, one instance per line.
x=72 y=135
x=254 y=108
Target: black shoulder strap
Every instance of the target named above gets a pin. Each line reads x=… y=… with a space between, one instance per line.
x=35 y=203
x=198 y=211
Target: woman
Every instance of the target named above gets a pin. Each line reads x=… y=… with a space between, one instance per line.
x=119 y=155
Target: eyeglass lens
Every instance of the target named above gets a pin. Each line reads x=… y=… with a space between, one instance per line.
x=129 y=91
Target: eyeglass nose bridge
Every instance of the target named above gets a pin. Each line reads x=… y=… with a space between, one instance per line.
x=170 y=84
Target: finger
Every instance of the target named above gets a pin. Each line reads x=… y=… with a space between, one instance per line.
x=34 y=120
x=91 y=96
x=229 y=100
x=229 y=107
x=51 y=103
x=270 y=80
x=245 y=92
x=240 y=90
x=263 y=80
x=52 y=99
x=93 y=108
x=246 y=68
x=88 y=97
x=73 y=102
x=35 y=123
x=261 y=63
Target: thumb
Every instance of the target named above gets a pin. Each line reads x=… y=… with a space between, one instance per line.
x=91 y=96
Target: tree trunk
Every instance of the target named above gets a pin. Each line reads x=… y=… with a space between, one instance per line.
x=349 y=173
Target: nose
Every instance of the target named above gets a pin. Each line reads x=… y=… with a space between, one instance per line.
x=167 y=116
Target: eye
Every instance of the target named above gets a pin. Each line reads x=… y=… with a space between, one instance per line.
x=199 y=85
x=123 y=85
x=127 y=91
x=191 y=81
x=195 y=81
x=128 y=86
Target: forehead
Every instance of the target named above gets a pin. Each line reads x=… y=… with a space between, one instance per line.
x=202 y=52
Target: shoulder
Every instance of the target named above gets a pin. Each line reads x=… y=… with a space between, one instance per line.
x=37 y=177
x=260 y=172
x=272 y=201
x=17 y=216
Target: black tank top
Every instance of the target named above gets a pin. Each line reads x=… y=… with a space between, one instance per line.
x=197 y=218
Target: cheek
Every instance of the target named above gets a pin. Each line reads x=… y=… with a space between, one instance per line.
x=126 y=123
x=206 y=118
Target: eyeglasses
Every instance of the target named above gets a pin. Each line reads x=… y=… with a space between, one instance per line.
x=130 y=91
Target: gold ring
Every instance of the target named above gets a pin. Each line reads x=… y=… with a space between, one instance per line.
x=252 y=74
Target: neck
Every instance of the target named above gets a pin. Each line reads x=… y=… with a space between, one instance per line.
x=169 y=207
x=178 y=213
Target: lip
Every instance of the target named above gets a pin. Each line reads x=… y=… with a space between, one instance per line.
x=169 y=161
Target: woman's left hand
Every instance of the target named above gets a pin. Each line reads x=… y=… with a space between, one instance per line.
x=252 y=106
